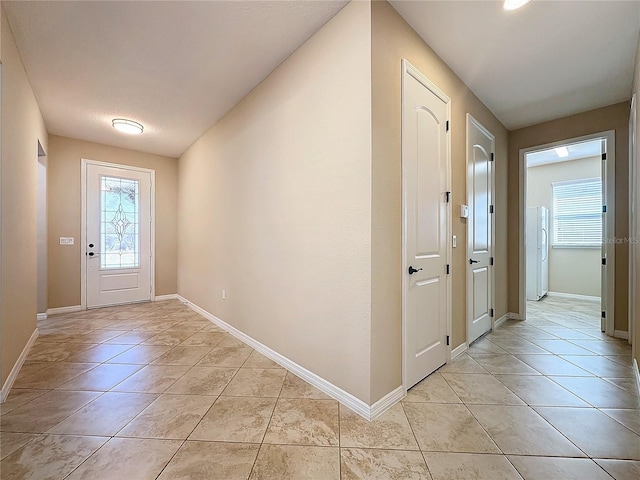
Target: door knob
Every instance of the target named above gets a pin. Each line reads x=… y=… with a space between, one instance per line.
x=472 y=261
x=413 y=270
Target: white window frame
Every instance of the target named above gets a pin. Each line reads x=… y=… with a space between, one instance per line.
x=554 y=222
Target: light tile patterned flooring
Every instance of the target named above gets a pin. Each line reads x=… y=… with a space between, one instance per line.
x=156 y=391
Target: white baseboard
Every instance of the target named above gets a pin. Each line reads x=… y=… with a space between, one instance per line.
x=459 y=350
x=621 y=334
x=160 y=298
x=501 y=320
x=6 y=388
x=369 y=412
x=636 y=371
x=513 y=316
x=575 y=296
x=71 y=309
x=42 y=316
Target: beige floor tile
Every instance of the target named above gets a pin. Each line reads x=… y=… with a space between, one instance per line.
x=203 y=381
x=553 y=365
x=614 y=347
x=18 y=397
x=44 y=412
x=463 y=466
x=598 y=392
x=504 y=364
x=141 y=354
x=597 y=434
x=295 y=387
x=152 y=379
x=98 y=354
x=484 y=346
x=600 y=366
x=127 y=458
x=462 y=364
x=49 y=457
x=297 y=421
x=182 y=356
x=131 y=338
x=361 y=464
x=52 y=376
x=101 y=378
x=169 y=337
x=628 y=418
x=433 y=389
x=628 y=384
x=98 y=336
x=621 y=469
x=562 y=347
x=258 y=360
x=390 y=431
x=205 y=339
x=539 y=390
x=519 y=430
x=211 y=461
x=226 y=356
x=59 y=352
x=10 y=442
x=105 y=415
x=546 y=468
x=481 y=389
x=256 y=382
x=169 y=416
x=235 y=419
x=295 y=462
x=448 y=428
x=516 y=345
x=625 y=360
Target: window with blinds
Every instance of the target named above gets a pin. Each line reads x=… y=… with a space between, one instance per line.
x=577 y=213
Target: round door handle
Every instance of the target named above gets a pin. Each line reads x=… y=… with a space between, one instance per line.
x=472 y=261
x=413 y=270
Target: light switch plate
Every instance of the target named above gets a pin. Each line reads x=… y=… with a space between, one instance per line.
x=67 y=240
x=464 y=211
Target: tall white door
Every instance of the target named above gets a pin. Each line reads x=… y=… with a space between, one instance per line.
x=480 y=151
x=118 y=237
x=425 y=163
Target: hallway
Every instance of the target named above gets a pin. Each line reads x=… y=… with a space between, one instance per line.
x=156 y=391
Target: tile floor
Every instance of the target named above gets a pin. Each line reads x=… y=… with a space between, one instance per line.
x=156 y=391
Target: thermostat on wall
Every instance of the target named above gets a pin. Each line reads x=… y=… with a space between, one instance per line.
x=464 y=211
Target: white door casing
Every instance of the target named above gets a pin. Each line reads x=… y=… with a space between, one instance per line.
x=117 y=234
x=480 y=229
x=426 y=226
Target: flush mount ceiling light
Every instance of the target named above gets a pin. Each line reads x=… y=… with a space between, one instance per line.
x=562 y=152
x=127 y=126
x=514 y=4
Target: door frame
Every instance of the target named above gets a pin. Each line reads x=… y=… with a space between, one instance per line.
x=409 y=69
x=83 y=224
x=492 y=281
x=608 y=227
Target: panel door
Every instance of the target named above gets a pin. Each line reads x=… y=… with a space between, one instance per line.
x=425 y=170
x=480 y=147
x=118 y=236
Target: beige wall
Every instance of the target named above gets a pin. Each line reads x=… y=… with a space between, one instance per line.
x=571 y=270
x=392 y=40
x=614 y=117
x=64 y=219
x=22 y=128
x=275 y=208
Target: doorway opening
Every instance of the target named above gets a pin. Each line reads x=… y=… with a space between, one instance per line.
x=567 y=220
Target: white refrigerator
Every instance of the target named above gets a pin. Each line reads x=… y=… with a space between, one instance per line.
x=537 y=252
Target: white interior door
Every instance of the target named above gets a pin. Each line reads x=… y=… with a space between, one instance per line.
x=480 y=152
x=607 y=278
x=425 y=159
x=118 y=237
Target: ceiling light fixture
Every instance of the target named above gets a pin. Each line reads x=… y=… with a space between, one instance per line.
x=514 y=4
x=562 y=152
x=127 y=126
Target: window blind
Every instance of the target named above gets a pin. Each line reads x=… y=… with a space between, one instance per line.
x=577 y=212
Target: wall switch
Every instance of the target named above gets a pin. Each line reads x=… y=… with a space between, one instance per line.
x=464 y=211
x=224 y=294
x=67 y=240
x=454 y=241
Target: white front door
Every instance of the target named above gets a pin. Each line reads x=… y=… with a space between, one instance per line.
x=118 y=236
x=480 y=151
x=425 y=165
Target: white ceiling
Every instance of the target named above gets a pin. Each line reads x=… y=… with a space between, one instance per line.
x=176 y=67
x=546 y=60
x=179 y=66
x=575 y=151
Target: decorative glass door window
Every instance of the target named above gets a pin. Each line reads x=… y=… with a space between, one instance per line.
x=119 y=226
